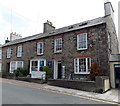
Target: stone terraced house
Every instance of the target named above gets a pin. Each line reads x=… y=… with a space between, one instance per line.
x=68 y=50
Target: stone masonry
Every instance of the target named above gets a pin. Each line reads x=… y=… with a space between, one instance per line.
x=97 y=50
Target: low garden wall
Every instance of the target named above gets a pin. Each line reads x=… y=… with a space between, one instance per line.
x=75 y=84
x=98 y=85
x=35 y=80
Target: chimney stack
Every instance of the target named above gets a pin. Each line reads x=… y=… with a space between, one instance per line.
x=48 y=27
x=14 y=36
x=109 y=9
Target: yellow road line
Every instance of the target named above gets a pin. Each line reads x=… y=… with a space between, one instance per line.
x=70 y=94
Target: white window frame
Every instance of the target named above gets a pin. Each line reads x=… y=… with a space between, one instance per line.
x=60 y=44
x=19 y=51
x=16 y=66
x=38 y=60
x=87 y=70
x=40 y=48
x=8 y=52
x=0 y=53
x=83 y=34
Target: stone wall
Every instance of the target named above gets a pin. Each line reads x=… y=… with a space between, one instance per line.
x=112 y=36
x=97 y=50
x=99 y=85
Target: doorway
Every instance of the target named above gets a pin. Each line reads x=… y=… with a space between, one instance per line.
x=117 y=76
x=57 y=69
x=8 y=67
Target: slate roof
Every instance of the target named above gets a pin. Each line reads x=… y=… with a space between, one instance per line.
x=114 y=58
x=69 y=28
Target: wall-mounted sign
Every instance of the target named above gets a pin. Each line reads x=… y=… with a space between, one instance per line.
x=50 y=64
x=38 y=74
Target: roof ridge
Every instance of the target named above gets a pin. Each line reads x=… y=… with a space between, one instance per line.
x=76 y=26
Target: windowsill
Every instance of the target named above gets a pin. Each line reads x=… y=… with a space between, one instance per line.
x=8 y=57
x=19 y=56
x=58 y=51
x=40 y=54
x=83 y=73
x=81 y=49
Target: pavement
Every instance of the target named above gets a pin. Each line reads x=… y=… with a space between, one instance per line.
x=113 y=95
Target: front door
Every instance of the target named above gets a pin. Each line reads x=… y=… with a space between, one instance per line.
x=8 y=67
x=117 y=76
x=57 y=69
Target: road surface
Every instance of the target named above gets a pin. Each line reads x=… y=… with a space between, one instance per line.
x=17 y=94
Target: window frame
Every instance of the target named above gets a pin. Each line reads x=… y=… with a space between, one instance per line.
x=82 y=34
x=86 y=63
x=9 y=53
x=16 y=65
x=40 y=48
x=19 y=51
x=38 y=64
x=55 y=45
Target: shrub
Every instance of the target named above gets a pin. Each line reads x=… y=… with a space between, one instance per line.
x=47 y=70
x=18 y=72
x=94 y=70
x=21 y=72
x=25 y=72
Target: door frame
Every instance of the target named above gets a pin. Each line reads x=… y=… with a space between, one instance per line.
x=56 y=69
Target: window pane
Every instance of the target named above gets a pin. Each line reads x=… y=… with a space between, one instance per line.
x=40 y=48
x=58 y=44
x=41 y=64
x=82 y=41
x=82 y=65
x=19 y=52
x=34 y=66
x=8 y=52
x=13 y=66
x=76 y=66
x=19 y=64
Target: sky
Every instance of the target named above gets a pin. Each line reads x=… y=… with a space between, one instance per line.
x=26 y=17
